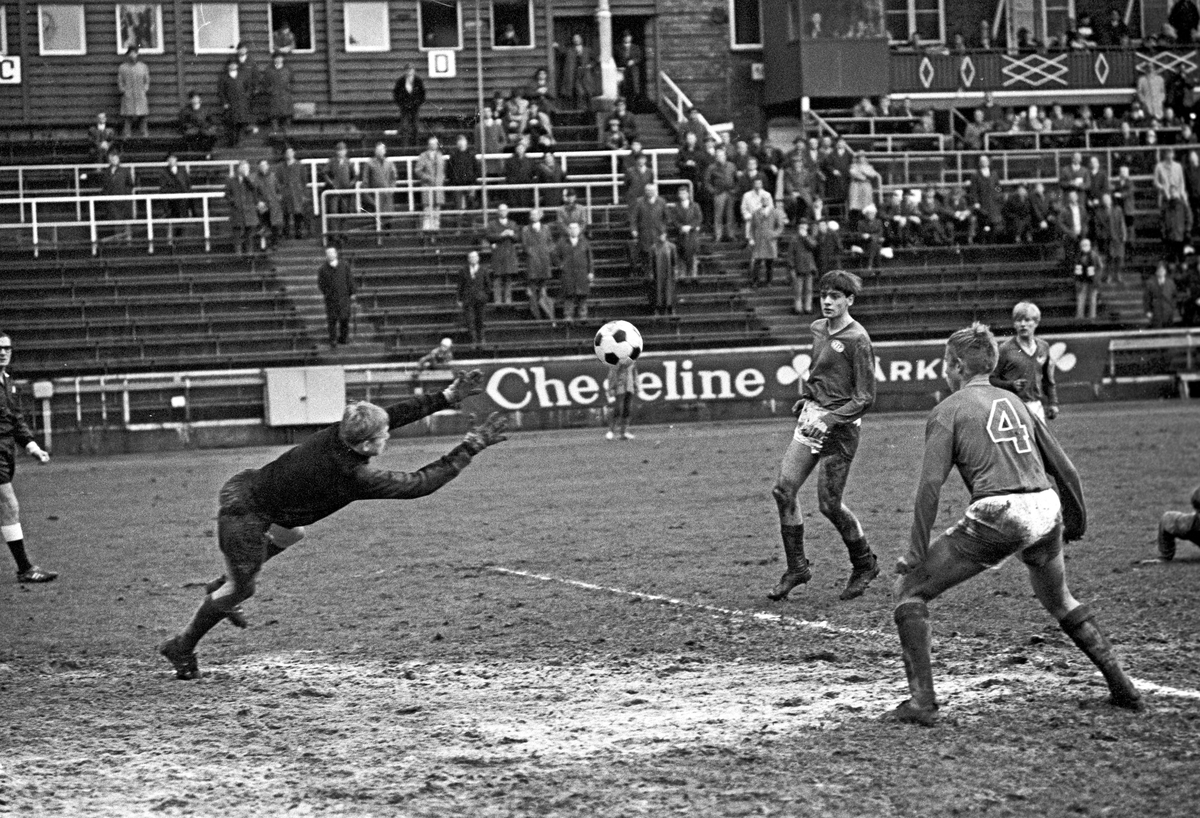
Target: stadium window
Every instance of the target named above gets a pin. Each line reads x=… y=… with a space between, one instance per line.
x=60 y=31
x=298 y=38
x=512 y=24
x=1058 y=14
x=215 y=28
x=367 y=27
x=439 y=24
x=745 y=24
x=139 y=24
x=926 y=17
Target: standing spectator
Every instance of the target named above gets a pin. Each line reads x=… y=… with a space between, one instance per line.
x=539 y=91
x=1113 y=33
x=764 y=226
x=539 y=248
x=197 y=129
x=571 y=212
x=647 y=220
x=1160 y=297
x=1086 y=271
x=117 y=180
x=985 y=198
x=248 y=71
x=409 y=96
x=972 y=138
x=503 y=235
x=829 y=246
x=802 y=253
x=573 y=255
x=519 y=171
x=836 y=167
x=277 y=85
x=1097 y=182
x=614 y=139
x=379 y=174
x=336 y=283
x=1151 y=89
x=293 y=195
x=15 y=431
x=1184 y=18
x=462 y=170
x=269 y=203
x=339 y=175
x=1191 y=180
x=549 y=172
x=1073 y=223
x=630 y=60
x=493 y=133
x=102 y=137
x=473 y=288
x=575 y=84
x=1018 y=216
x=863 y=181
x=665 y=265
x=430 y=170
x=1075 y=176
x=1122 y=192
x=1108 y=224
x=1172 y=200
x=720 y=180
x=689 y=162
x=133 y=80
x=637 y=177
x=175 y=179
x=243 y=208
x=235 y=103
x=685 y=220
x=794 y=189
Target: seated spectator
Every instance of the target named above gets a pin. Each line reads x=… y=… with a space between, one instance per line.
x=1082 y=123
x=538 y=127
x=1160 y=298
x=935 y=230
x=539 y=92
x=1018 y=216
x=885 y=106
x=102 y=138
x=199 y=132
x=1033 y=121
x=493 y=133
x=1025 y=43
x=629 y=125
x=867 y=237
x=895 y=222
x=614 y=137
x=283 y=39
x=1059 y=123
x=962 y=217
x=926 y=124
x=1085 y=266
x=516 y=112
x=865 y=109
x=441 y=356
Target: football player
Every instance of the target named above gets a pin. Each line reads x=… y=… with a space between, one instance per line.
x=263 y=511
x=1011 y=465
x=839 y=389
x=1179 y=525
x=1025 y=368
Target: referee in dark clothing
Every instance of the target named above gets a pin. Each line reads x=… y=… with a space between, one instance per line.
x=263 y=511
x=14 y=431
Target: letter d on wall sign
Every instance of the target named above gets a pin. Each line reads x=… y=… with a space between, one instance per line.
x=10 y=70
x=442 y=64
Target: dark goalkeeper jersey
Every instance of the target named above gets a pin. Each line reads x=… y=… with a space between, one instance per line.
x=13 y=427
x=322 y=475
x=841 y=379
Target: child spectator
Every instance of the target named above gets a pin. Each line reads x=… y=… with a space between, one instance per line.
x=441 y=356
x=1085 y=269
x=802 y=254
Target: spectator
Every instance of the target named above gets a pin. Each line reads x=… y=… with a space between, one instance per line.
x=462 y=170
x=508 y=37
x=537 y=127
x=629 y=125
x=745 y=183
x=864 y=109
x=409 y=95
x=102 y=137
x=695 y=126
x=764 y=225
x=379 y=174
x=664 y=268
x=336 y=283
x=794 y=190
x=573 y=255
x=473 y=288
x=549 y=172
x=935 y=231
x=269 y=203
x=1122 y=192
x=769 y=159
x=985 y=198
x=1108 y=120
x=1168 y=178
x=894 y=220
x=575 y=82
x=1059 y=121
x=690 y=160
x=637 y=177
x=503 y=235
x=243 y=208
x=863 y=181
x=1176 y=229
x=1160 y=297
x=1191 y=180
x=277 y=85
x=440 y=357
x=1184 y=18
x=1073 y=223
x=293 y=195
x=133 y=81
x=1108 y=225
x=1086 y=267
x=1045 y=219
x=539 y=91
x=983 y=37
x=519 y=170
x=836 y=168
x=539 y=249
x=972 y=138
x=571 y=212
x=339 y=175
x=248 y=71
x=117 y=180
x=1018 y=216
x=829 y=246
x=647 y=219
x=802 y=253
x=197 y=129
x=993 y=114
x=175 y=179
x=869 y=237
x=282 y=39
x=430 y=170
x=614 y=138
x=235 y=103
x=720 y=181
x=630 y=61
x=493 y=132
x=1097 y=182
x=685 y=220
x=1151 y=90
x=1113 y=32
x=1075 y=176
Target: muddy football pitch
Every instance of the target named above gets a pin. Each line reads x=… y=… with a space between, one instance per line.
x=579 y=627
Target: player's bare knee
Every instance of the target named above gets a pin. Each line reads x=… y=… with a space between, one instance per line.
x=785 y=495
x=832 y=509
x=10 y=509
x=909 y=609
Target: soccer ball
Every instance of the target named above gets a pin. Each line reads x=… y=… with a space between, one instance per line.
x=618 y=341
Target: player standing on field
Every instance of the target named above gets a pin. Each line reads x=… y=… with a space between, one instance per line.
x=263 y=511
x=839 y=390
x=14 y=431
x=1007 y=459
x=1024 y=366
x=621 y=387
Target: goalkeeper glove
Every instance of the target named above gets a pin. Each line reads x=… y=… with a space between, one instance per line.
x=464 y=385
x=488 y=433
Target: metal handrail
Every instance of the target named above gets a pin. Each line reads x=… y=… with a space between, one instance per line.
x=678 y=104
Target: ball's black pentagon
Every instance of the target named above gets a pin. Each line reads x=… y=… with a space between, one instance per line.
x=619 y=336
x=634 y=353
x=599 y=338
x=612 y=358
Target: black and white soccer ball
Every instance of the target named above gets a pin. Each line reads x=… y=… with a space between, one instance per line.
x=618 y=341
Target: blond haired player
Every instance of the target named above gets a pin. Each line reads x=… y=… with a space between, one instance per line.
x=1024 y=366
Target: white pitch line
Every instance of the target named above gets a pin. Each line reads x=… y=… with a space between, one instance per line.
x=778 y=619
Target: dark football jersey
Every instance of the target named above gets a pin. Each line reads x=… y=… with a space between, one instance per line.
x=1037 y=370
x=841 y=379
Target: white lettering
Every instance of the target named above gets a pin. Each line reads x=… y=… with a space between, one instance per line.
x=930 y=370
x=584 y=389
x=879 y=376
x=649 y=386
x=493 y=387
x=749 y=383
x=900 y=371
x=685 y=380
x=706 y=385
x=542 y=385
x=669 y=378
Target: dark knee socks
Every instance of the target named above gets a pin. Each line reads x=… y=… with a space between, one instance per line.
x=912 y=623
x=793 y=545
x=1081 y=627
x=205 y=619
x=17 y=547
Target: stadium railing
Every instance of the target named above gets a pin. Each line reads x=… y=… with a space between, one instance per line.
x=677 y=104
x=1046 y=140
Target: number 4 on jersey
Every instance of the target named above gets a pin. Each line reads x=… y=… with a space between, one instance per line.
x=1005 y=426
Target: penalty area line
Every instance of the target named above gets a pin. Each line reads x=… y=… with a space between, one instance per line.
x=774 y=619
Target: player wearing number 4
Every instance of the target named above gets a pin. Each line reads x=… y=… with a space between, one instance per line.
x=1024 y=367
x=839 y=389
x=1007 y=458
x=264 y=511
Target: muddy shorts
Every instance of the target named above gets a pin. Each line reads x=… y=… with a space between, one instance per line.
x=840 y=442
x=994 y=528
x=241 y=528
